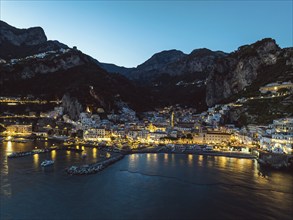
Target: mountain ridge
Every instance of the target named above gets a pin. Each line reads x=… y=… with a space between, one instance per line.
x=20 y=43
x=55 y=73
x=225 y=74
x=200 y=79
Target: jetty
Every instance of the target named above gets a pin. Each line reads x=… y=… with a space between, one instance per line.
x=93 y=168
x=40 y=151
x=69 y=149
x=28 y=153
x=275 y=160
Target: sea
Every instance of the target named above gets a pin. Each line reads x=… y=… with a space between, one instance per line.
x=140 y=186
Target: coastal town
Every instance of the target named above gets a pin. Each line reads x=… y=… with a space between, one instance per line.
x=175 y=110
x=171 y=129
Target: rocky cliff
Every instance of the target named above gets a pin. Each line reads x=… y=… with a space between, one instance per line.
x=54 y=73
x=19 y=43
x=198 y=61
x=156 y=65
x=71 y=106
x=29 y=37
x=71 y=73
x=239 y=69
x=42 y=64
x=174 y=77
x=34 y=65
x=171 y=62
x=224 y=75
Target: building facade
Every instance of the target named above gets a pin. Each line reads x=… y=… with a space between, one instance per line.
x=19 y=129
x=216 y=137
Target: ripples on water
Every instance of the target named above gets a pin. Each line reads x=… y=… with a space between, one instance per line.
x=141 y=186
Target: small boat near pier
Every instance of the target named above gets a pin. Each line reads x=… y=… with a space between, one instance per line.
x=46 y=163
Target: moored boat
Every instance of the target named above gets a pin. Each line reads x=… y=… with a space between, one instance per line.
x=47 y=163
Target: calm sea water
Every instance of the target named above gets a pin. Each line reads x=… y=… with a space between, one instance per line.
x=145 y=186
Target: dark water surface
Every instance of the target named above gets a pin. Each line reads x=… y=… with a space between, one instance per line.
x=145 y=186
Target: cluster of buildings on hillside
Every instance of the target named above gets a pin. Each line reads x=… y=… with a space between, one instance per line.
x=168 y=125
x=277 y=137
x=36 y=56
x=276 y=86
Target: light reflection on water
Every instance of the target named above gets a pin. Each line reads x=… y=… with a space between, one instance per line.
x=146 y=188
x=166 y=158
x=210 y=161
x=9 y=147
x=190 y=159
x=36 y=160
x=53 y=154
x=200 y=159
x=46 y=144
x=94 y=153
x=4 y=167
x=172 y=158
x=148 y=156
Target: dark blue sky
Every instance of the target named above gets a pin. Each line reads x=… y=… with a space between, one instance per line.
x=128 y=32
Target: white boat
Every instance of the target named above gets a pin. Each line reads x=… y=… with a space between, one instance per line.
x=208 y=148
x=58 y=137
x=20 y=140
x=47 y=163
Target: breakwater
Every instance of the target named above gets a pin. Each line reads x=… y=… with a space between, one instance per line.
x=28 y=153
x=93 y=168
x=276 y=161
x=69 y=149
x=40 y=151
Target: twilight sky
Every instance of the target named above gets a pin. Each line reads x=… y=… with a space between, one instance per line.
x=129 y=32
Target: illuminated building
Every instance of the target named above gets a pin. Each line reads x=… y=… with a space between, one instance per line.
x=216 y=137
x=19 y=129
x=96 y=134
x=282 y=137
x=274 y=87
x=157 y=135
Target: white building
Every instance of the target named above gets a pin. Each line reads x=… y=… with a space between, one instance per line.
x=95 y=134
x=19 y=129
x=282 y=136
x=156 y=136
x=265 y=142
x=136 y=134
x=274 y=87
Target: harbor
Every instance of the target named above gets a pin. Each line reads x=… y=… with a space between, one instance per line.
x=111 y=154
x=88 y=162
x=138 y=179
x=194 y=151
x=41 y=151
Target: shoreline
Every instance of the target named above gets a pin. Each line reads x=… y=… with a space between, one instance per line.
x=160 y=150
x=212 y=153
x=103 y=164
